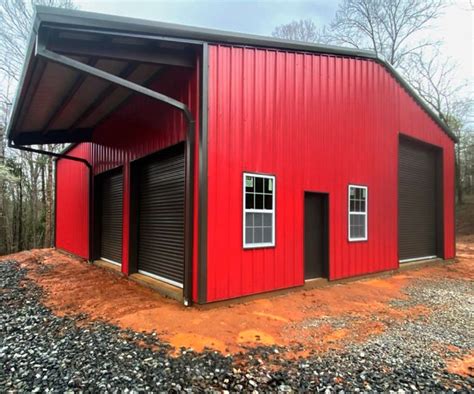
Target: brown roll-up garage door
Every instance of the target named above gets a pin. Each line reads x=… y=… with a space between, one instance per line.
x=161 y=195
x=111 y=193
x=417 y=197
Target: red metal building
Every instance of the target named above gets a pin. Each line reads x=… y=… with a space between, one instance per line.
x=230 y=164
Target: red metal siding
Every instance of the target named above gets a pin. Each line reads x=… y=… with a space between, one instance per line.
x=141 y=127
x=72 y=203
x=318 y=123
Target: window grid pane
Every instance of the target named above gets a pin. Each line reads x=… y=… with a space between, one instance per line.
x=357 y=199
x=258 y=210
x=357 y=213
x=357 y=228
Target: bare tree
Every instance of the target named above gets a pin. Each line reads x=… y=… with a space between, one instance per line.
x=25 y=204
x=391 y=28
x=394 y=30
x=15 y=26
x=302 y=30
x=434 y=77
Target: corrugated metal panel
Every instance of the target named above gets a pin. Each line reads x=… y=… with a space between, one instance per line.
x=142 y=73
x=143 y=126
x=87 y=93
x=161 y=216
x=317 y=123
x=72 y=203
x=47 y=95
x=111 y=195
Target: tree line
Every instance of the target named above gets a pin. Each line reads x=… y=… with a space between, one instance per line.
x=26 y=179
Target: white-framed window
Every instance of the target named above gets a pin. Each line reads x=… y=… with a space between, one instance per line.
x=259 y=210
x=358 y=208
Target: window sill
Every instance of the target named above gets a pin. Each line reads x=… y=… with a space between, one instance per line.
x=260 y=246
x=358 y=239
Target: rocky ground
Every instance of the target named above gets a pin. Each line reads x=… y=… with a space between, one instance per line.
x=432 y=351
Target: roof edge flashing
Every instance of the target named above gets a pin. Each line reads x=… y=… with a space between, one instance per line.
x=101 y=21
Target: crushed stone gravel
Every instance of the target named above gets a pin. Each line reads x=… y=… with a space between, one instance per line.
x=40 y=351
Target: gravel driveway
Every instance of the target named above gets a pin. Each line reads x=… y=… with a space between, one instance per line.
x=40 y=351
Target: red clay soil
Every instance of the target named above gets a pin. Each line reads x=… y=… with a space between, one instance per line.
x=74 y=286
x=462 y=366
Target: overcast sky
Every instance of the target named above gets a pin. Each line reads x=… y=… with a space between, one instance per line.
x=261 y=16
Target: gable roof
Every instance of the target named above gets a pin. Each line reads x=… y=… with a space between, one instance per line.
x=123 y=26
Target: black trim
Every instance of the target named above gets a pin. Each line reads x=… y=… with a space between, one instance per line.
x=91 y=189
x=116 y=33
x=440 y=204
x=203 y=174
x=58 y=17
x=54 y=221
x=52 y=154
x=92 y=220
x=130 y=53
x=454 y=201
x=134 y=174
x=189 y=214
x=54 y=137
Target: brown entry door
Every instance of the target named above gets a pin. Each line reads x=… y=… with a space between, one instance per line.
x=316 y=235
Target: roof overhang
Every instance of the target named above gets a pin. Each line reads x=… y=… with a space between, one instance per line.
x=74 y=77
x=56 y=103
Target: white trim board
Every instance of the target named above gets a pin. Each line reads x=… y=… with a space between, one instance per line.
x=110 y=261
x=418 y=259
x=160 y=278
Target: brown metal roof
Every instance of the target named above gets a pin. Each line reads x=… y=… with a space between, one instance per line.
x=56 y=103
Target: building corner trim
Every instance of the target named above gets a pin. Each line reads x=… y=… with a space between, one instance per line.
x=203 y=177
